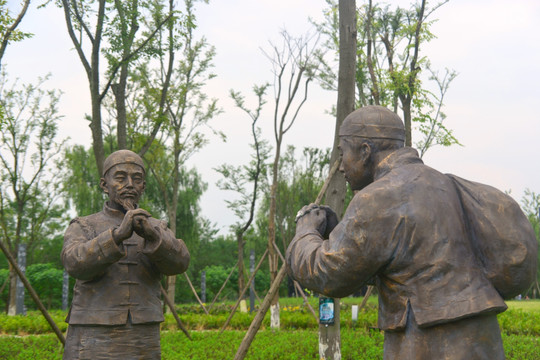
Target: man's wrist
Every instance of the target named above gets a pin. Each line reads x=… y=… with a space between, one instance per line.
x=114 y=234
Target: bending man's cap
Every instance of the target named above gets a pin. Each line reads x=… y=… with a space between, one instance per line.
x=375 y=122
x=121 y=157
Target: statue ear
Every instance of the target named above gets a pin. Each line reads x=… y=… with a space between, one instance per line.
x=103 y=186
x=365 y=152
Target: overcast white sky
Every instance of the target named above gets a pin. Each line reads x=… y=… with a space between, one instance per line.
x=494 y=45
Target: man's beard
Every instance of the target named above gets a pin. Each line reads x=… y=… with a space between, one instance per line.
x=128 y=203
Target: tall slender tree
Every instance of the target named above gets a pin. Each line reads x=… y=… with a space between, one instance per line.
x=114 y=24
x=330 y=337
x=238 y=178
x=169 y=112
x=295 y=64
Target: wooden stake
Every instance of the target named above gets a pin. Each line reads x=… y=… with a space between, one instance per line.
x=366 y=297
x=257 y=321
x=297 y=286
x=173 y=310
x=195 y=293
x=243 y=292
x=301 y=291
x=333 y=170
x=222 y=286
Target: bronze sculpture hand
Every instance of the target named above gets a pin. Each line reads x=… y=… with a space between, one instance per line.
x=125 y=230
x=143 y=228
x=315 y=217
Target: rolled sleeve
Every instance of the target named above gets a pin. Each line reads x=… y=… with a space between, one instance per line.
x=169 y=254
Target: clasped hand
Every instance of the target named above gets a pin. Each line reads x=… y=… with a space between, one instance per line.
x=316 y=217
x=135 y=220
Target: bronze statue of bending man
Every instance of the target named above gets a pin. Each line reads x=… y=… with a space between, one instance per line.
x=406 y=230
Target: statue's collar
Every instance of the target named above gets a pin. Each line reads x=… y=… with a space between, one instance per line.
x=109 y=211
x=400 y=157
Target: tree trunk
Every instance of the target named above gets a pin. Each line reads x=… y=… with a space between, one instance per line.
x=329 y=336
x=406 y=99
x=171 y=280
x=91 y=66
x=97 y=133
x=12 y=302
x=272 y=254
x=21 y=262
x=119 y=91
x=407 y=119
x=241 y=279
x=65 y=291
x=337 y=189
x=172 y=209
x=374 y=81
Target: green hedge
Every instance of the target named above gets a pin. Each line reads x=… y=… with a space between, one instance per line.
x=33 y=323
x=514 y=321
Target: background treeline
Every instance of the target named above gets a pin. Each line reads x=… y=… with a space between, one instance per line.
x=301 y=176
x=147 y=68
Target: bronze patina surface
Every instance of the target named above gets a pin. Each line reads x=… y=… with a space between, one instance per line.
x=442 y=252
x=117 y=257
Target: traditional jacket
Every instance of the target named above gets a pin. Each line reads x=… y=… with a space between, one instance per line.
x=407 y=232
x=114 y=280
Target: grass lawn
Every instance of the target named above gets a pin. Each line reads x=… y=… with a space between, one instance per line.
x=525 y=305
x=520 y=326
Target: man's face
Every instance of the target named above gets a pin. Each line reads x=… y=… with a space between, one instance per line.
x=124 y=183
x=356 y=164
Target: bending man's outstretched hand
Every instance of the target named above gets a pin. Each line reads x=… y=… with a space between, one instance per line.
x=318 y=218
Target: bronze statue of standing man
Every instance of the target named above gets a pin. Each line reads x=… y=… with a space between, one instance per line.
x=442 y=251
x=118 y=257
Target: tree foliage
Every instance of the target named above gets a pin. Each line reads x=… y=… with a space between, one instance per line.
x=47 y=280
x=295 y=64
x=29 y=212
x=239 y=178
x=80 y=180
x=299 y=182
x=531 y=206
x=391 y=70
x=8 y=27
x=179 y=110
x=112 y=31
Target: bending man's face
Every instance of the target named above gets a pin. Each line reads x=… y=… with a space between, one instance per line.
x=124 y=183
x=356 y=163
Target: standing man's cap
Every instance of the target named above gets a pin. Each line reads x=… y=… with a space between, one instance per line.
x=122 y=157
x=375 y=122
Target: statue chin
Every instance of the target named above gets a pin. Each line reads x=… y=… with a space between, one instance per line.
x=127 y=203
